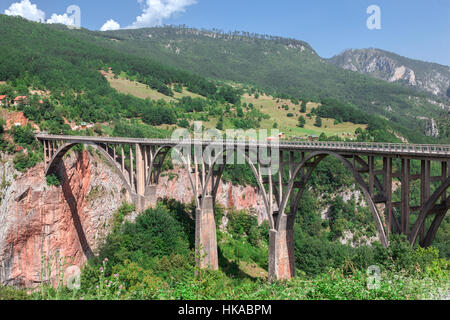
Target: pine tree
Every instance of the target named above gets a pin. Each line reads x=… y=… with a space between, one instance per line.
x=301 y=122
x=318 y=122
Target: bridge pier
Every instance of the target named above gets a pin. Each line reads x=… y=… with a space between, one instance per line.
x=281 y=250
x=205 y=236
x=150 y=196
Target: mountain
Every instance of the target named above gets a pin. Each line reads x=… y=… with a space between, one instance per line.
x=283 y=66
x=388 y=66
x=215 y=65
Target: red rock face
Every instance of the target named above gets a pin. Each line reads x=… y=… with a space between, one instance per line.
x=46 y=223
x=49 y=221
x=177 y=185
x=13 y=117
x=39 y=221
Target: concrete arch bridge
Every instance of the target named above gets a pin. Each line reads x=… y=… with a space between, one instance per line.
x=282 y=170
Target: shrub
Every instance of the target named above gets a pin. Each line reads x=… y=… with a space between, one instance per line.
x=11 y=293
x=318 y=122
x=121 y=213
x=23 y=161
x=183 y=123
x=53 y=180
x=155 y=233
x=23 y=135
x=240 y=223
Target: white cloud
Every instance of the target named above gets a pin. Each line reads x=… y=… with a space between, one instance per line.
x=155 y=11
x=62 y=19
x=26 y=10
x=110 y=25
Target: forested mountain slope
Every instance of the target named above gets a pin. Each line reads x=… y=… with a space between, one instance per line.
x=39 y=56
x=283 y=65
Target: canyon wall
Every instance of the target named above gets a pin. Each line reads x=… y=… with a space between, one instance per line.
x=39 y=222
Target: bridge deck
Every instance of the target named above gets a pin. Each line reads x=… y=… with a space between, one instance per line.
x=389 y=149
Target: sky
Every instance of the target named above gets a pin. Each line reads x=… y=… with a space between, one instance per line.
x=418 y=29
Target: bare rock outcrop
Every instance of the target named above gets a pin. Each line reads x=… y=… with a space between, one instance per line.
x=38 y=222
x=431 y=129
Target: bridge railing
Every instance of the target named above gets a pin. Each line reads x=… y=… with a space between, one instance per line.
x=330 y=145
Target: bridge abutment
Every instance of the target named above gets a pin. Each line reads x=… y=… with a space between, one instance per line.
x=205 y=236
x=281 y=250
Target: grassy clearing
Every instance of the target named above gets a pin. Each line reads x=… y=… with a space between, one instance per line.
x=139 y=90
x=288 y=125
x=266 y=104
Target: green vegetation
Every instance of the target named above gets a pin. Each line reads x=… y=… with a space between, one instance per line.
x=32 y=152
x=65 y=68
x=301 y=122
x=284 y=68
x=153 y=258
x=53 y=180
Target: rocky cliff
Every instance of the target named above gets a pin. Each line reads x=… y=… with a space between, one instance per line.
x=391 y=67
x=38 y=222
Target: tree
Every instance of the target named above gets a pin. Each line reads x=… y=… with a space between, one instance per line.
x=303 y=107
x=178 y=88
x=219 y=125
x=2 y=123
x=318 y=122
x=240 y=112
x=183 y=123
x=301 y=122
x=23 y=135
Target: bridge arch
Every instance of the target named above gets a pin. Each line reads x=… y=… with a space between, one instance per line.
x=358 y=178
x=320 y=156
x=428 y=206
x=64 y=149
x=159 y=154
x=255 y=173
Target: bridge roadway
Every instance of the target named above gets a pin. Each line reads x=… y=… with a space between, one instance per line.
x=139 y=163
x=393 y=149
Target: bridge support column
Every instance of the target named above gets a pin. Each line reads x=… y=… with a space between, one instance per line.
x=205 y=236
x=281 y=250
x=140 y=178
x=150 y=196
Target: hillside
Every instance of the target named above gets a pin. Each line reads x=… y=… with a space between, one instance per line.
x=283 y=66
x=220 y=69
x=388 y=66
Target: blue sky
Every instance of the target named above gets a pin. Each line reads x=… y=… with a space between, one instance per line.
x=418 y=29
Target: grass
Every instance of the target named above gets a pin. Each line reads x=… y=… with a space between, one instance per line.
x=288 y=125
x=266 y=104
x=140 y=90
